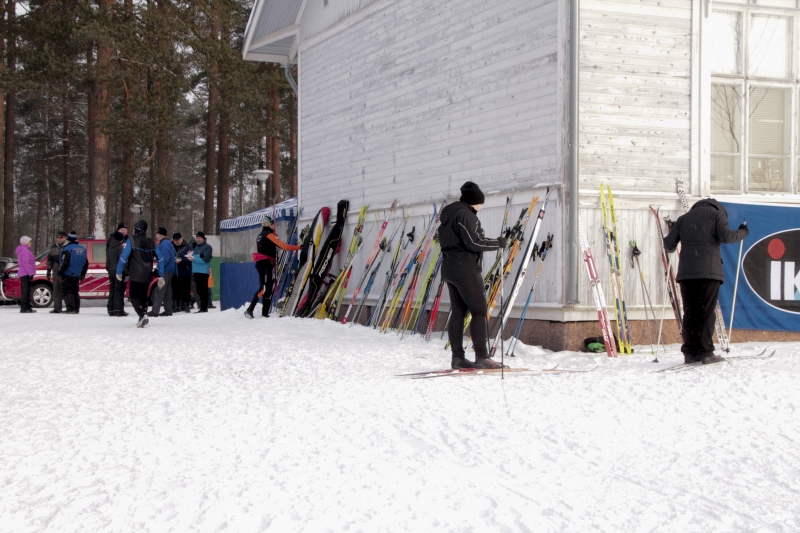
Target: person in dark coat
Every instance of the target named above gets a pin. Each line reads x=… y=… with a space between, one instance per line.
x=116 y=289
x=182 y=282
x=700 y=232
x=73 y=268
x=463 y=245
x=137 y=257
x=53 y=263
x=267 y=244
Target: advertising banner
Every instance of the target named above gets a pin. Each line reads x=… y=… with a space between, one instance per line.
x=769 y=282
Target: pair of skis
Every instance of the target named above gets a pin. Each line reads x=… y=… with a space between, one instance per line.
x=615 y=269
x=597 y=294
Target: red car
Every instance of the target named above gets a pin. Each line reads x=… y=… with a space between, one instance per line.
x=94 y=287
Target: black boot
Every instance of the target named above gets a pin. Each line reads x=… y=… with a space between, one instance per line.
x=687 y=359
x=487 y=363
x=711 y=358
x=461 y=362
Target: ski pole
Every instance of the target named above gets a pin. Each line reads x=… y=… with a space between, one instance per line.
x=661 y=324
x=736 y=285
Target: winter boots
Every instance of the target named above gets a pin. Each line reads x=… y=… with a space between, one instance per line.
x=458 y=363
x=485 y=363
x=143 y=321
x=712 y=358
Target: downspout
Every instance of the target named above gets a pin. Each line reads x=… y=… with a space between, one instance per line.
x=287 y=70
x=574 y=73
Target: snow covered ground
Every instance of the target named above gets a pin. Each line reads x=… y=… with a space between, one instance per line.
x=216 y=423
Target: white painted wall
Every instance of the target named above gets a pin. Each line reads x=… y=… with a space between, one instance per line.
x=410 y=99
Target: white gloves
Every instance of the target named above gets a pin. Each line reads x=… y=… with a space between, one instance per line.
x=161 y=283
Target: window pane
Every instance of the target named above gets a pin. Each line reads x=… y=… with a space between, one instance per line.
x=768 y=174
x=99 y=253
x=726 y=118
x=770 y=46
x=725 y=173
x=770 y=118
x=725 y=42
x=774 y=3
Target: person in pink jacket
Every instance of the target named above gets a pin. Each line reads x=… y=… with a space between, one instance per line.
x=27 y=269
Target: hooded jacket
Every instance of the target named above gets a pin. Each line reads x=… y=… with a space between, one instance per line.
x=463 y=242
x=202 y=258
x=27 y=262
x=700 y=232
x=138 y=256
x=114 y=246
x=165 y=253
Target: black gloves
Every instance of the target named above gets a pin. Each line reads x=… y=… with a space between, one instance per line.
x=743 y=225
x=670 y=223
x=501 y=241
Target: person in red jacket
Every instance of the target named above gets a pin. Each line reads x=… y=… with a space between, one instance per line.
x=267 y=244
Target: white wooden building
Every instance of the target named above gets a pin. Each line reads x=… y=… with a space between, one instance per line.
x=408 y=99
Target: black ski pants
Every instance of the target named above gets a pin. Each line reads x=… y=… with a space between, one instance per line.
x=139 y=297
x=181 y=291
x=69 y=289
x=265 y=283
x=467 y=295
x=699 y=304
x=116 y=294
x=201 y=286
x=25 y=300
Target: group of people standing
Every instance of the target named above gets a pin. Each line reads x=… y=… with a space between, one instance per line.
x=129 y=259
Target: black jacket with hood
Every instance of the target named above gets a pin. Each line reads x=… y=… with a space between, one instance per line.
x=114 y=246
x=463 y=242
x=700 y=232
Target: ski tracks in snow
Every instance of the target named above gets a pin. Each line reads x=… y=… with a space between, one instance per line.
x=214 y=422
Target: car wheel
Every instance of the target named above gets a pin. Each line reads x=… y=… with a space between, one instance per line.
x=41 y=295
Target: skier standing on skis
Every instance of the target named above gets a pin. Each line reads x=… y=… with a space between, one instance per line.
x=463 y=244
x=267 y=244
x=701 y=231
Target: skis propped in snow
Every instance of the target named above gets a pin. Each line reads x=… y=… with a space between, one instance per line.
x=763 y=354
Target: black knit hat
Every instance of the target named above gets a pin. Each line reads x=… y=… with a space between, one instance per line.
x=73 y=236
x=471 y=194
x=161 y=231
x=200 y=234
x=121 y=225
x=176 y=236
x=140 y=226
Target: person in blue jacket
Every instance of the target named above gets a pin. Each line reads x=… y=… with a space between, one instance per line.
x=201 y=265
x=72 y=271
x=165 y=253
x=182 y=280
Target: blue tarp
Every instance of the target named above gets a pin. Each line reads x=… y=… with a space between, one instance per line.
x=238 y=284
x=769 y=285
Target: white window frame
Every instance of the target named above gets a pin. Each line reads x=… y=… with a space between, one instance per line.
x=702 y=126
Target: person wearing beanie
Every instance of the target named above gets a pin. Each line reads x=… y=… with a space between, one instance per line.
x=267 y=244
x=201 y=263
x=53 y=263
x=463 y=245
x=116 y=288
x=26 y=271
x=137 y=261
x=182 y=281
x=166 y=269
x=72 y=270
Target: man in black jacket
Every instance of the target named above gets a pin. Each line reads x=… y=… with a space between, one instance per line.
x=182 y=282
x=53 y=263
x=116 y=288
x=72 y=271
x=463 y=244
x=701 y=231
x=138 y=255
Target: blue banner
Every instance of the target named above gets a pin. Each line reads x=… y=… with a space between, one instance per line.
x=768 y=296
x=238 y=284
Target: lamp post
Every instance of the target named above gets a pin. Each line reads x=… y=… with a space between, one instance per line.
x=136 y=209
x=261 y=175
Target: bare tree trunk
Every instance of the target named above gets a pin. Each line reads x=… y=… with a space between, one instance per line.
x=2 y=122
x=66 y=163
x=39 y=208
x=275 y=145
x=223 y=170
x=91 y=134
x=8 y=163
x=102 y=150
x=261 y=158
x=211 y=129
x=293 y=144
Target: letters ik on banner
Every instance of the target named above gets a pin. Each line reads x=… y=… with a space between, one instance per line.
x=771 y=268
